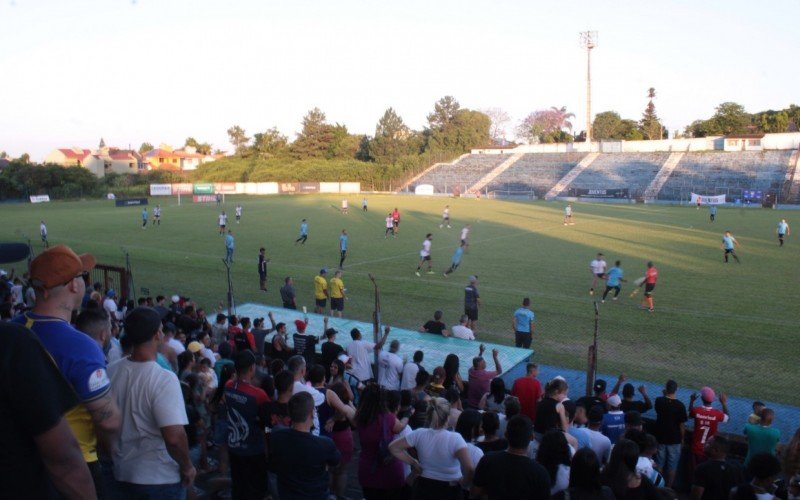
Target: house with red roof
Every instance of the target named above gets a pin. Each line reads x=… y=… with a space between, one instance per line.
x=100 y=162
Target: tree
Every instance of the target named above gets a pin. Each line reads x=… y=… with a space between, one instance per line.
x=499 y=119
x=315 y=139
x=3 y=155
x=546 y=125
x=343 y=145
x=731 y=118
x=467 y=129
x=444 y=112
x=25 y=158
x=390 y=141
x=203 y=148
x=650 y=124
x=270 y=143
x=145 y=147
x=102 y=144
x=607 y=125
x=772 y=121
x=239 y=140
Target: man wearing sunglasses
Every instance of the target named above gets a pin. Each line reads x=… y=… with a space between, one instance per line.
x=58 y=276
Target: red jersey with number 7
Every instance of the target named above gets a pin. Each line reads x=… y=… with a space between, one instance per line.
x=706 y=420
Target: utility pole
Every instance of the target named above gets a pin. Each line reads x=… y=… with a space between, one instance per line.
x=589 y=41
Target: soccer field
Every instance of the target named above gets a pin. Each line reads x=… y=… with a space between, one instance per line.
x=733 y=326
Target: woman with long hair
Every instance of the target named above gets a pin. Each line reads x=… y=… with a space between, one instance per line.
x=342 y=435
x=220 y=417
x=584 y=479
x=469 y=426
x=490 y=424
x=550 y=413
x=494 y=399
x=185 y=364
x=554 y=456
x=452 y=378
x=380 y=476
x=444 y=462
x=620 y=474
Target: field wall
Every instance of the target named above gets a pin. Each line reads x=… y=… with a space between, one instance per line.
x=254 y=188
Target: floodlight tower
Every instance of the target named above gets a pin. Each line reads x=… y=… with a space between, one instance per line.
x=589 y=41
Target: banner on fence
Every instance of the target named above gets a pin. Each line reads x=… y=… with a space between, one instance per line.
x=709 y=200
x=160 y=189
x=204 y=198
x=328 y=187
x=752 y=195
x=225 y=187
x=203 y=189
x=288 y=187
x=349 y=187
x=599 y=193
x=41 y=198
x=267 y=188
x=424 y=189
x=183 y=188
x=131 y=202
x=308 y=187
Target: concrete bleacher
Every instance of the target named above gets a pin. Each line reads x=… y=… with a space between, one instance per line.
x=463 y=173
x=634 y=171
x=535 y=173
x=714 y=173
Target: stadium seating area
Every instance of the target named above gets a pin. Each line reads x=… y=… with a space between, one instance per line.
x=714 y=173
x=461 y=174
x=535 y=173
x=633 y=171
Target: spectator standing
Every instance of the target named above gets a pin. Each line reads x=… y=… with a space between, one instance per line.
x=444 y=459
x=330 y=350
x=494 y=399
x=581 y=434
x=601 y=445
x=523 y=324
x=714 y=478
x=452 y=377
x=408 y=378
x=550 y=413
x=584 y=479
x=151 y=457
x=764 y=468
x=761 y=437
x=528 y=390
x=479 y=377
x=621 y=475
x=58 y=276
x=628 y=403
x=391 y=367
x=360 y=352
x=706 y=419
x=669 y=431
x=246 y=411
x=554 y=456
x=614 y=420
x=288 y=296
x=262 y=268
x=299 y=458
x=508 y=474
x=472 y=299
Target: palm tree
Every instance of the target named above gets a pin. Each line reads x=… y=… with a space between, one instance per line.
x=562 y=118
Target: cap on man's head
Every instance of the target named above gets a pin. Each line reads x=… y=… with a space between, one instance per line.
x=194 y=347
x=111 y=293
x=473 y=279
x=58 y=265
x=707 y=394
x=599 y=385
x=141 y=325
x=300 y=324
x=323 y=271
x=176 y=299
x=614 y=401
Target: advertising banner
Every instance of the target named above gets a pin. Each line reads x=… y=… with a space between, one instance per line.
x=160 y=190
x=288 y=187
x=224 y=187
x=203 y=189
x=328 y=187
x=131 y=202
x=204 y=198
x=308 y=187
x=183 y=188
x=349 y=187
x=424 y=189
x=709 y=200
x=42 y=198
x=267 y=188
x=599 y=193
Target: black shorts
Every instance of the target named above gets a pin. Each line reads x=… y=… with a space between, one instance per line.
x=472 y=314
x=321 y=302
x=463 y=242
x=222 y=226
x=337 y=304
x=648 y=289
x=780 y=236
x=427 y=257
x=344 y=253
x=728 y=250
x=396 y=223
x=238 y=217
x=523 y=339
x=600 y=275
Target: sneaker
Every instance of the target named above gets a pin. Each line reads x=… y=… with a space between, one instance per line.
x=449 y=227
x=602 y=301
x=651 y=309
x=416 y=272
x=615 y=298
x=591 y=291
x=440 y=226
x=444 y=274
x=430 y=272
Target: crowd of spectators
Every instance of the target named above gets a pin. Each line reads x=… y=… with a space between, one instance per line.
x=155 y=399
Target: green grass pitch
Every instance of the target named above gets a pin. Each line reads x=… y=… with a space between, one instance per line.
x=731 y=325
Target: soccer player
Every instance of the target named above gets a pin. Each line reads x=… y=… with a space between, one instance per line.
x=344 y=206
x=783 y=231
x=389 y=227
x=229 y=245
x=712 y=213
x=729 y=244
x=598 y=268
x=157 y=215
x=238 y=213
x=364 y=204
x=396 y=220
x=650 y=278
x=303 y=233
x=425 y=254
x=465 y=235
x=262 y=268
x=320 y=291
x=472 y=299
x=445 y=217
x=343 y=248
x=223 y=221
x=613 y=280
x=43 y=232
x=144 y=218
x=568 y=214
x=338 y=294
x=456 y=261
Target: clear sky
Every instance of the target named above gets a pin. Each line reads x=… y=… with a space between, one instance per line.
x=72 y=71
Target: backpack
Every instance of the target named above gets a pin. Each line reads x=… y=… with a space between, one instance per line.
x=240 y=342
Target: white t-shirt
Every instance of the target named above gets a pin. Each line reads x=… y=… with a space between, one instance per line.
x=361 y=351
x=475 y=454
x=446 y=213
x=437 y=453
x=408 y=380
x=562 y=479
x=598 y=266
x=223 y=219
x=464 y=233
x=389 y=221
x=239 y=211
x=391 y=367
x=319 y=398
x=403 y=433
x=114 y=352
x=344 y=203
x=176 y=345
x=111 y=307
x=462 y=332
x=426 y=248
x=209 y=355
x=601 y=445
x=149 y=398
x=43 y=230
x=16 y=293
x=644 y=466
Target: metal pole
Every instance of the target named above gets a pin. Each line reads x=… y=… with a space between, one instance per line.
x=231 y=304
x=591 y=369
x=131 y=291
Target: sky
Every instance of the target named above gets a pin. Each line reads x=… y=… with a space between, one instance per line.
x=73 y=71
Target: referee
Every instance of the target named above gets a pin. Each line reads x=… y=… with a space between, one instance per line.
x=523 y=324
x=262 y=268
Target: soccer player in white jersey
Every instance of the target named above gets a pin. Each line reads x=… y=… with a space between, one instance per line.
x=389 y=227
x=445 y=217
x=157 y=215
x=598 y=268
x=223 y=221
x=465 y=236
x=43 y=232
x=425 y=254
x=568 y=215
x=238 y=213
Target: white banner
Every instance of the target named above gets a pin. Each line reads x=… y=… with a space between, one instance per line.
x=328 y=187
x=42 y=198
x=349 y=187
x=708 y=200
x=160 y=189
x=424 y=189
